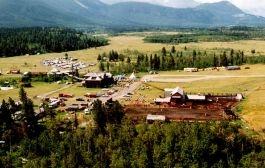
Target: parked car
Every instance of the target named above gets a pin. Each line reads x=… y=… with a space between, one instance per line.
x=80 y=99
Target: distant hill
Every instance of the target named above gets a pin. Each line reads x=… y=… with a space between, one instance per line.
x=94 y=13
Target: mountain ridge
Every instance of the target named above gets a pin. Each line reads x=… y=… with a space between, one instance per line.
x=94 y=13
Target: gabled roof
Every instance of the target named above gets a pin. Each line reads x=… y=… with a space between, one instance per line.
x=178 y=90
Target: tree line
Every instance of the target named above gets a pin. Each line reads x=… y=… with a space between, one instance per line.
x=178 y=60
x=208 y=35
x=22 y=41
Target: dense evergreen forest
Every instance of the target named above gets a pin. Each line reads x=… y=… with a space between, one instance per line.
x=23 y=41
x=174 y=60
x=209 y=35
x=114 y=141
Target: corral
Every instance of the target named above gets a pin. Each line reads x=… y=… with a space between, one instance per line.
x=140 y=112
x=177 y=105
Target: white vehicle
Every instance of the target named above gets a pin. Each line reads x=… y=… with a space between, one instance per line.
x=87 y=111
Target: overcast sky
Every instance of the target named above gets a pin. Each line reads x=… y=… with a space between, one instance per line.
x=256 y=7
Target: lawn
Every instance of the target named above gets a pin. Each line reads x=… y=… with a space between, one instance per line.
x=37 y=89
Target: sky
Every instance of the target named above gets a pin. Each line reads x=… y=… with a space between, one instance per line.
x=256 y=7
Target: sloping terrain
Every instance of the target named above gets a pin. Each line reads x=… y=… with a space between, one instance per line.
x=94 y=13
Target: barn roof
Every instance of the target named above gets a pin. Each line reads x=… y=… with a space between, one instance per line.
x=178 y=90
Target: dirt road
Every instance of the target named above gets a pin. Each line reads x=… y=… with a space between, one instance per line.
x=192 y=78
x=121 y=93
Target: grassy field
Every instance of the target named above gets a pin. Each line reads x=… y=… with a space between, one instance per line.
x=230 y=85
x=253 y=110
x=257 y=69
x=40 y=88
x=253 y=107
x=122 y=44
x=37 y=89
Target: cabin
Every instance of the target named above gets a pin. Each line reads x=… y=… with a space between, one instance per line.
x=191 y=70
x=98 y=80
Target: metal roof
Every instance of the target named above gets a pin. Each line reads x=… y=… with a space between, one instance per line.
x=178 y=90
x=196 y=97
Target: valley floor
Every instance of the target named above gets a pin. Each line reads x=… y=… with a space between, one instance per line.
x=250 y=82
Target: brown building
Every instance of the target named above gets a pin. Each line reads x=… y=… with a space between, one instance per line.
x=98 y=80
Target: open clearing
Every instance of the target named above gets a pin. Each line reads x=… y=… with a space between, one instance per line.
x=253 y=108
x=250 y=82
x=123 y=44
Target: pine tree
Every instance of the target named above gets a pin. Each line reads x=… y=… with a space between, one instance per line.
x=164 y=51
x=108 y=66
x=232 y=57
x=99 y=57
x=172 y=62
x=215 y=61
x=5 y=116
x=99 y=116
x=173 y=49
x=194 y=55
x=101 y=66
x=28 y=114
x=128 y=60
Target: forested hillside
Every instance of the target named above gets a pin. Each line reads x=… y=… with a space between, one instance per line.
x=23 y=41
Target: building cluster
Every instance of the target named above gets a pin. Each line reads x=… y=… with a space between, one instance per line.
x=177 y=95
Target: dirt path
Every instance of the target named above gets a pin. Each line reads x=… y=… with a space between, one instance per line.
x=192 y=78
x=124 y=91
